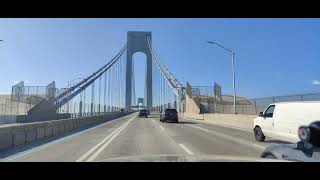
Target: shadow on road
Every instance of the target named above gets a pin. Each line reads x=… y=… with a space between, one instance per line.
x=277 y=141
x=184 y=122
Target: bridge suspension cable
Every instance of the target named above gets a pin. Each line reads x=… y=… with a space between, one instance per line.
x=101 y=92
x=170 y=89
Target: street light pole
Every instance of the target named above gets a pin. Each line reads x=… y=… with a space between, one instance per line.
x=234 y=85
x=233 y=73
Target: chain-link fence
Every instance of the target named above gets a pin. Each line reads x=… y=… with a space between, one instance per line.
x=205 y=91
x=261 y=103
x=23 y=98
x=209 y=103
x=254 y=106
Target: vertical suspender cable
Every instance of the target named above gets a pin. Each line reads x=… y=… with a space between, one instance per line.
x=104 y=94
x=84 y=102
x=109 y=94
x=99 y=105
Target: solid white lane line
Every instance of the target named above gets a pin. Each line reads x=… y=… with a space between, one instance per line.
x=84 y=156
x=161 y=128
x=216 y=124
x=41 y=147
x=231 y=138
x=186 y=149
x=91 y=158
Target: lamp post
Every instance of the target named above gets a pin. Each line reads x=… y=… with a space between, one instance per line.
x=230 y=52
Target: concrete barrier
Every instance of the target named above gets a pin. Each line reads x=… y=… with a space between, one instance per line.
x=6 y=138
x=40 y=132
x=67 y=126
x=18 y=134
x=55 y=129
x=70 y=126
x=31 y=134
x=193 y=116
x=48 y=129
x=77 y=123
x=230 y=120
x=60 y=127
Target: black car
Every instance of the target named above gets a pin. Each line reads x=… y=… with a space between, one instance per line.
x=143 y=113
x=306 y=150
x=169 y=115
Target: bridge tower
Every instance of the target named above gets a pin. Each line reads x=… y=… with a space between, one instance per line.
x=137 y=42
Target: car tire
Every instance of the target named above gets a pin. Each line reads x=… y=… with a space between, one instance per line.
x=258 y=134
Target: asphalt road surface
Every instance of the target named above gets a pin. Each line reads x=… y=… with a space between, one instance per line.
x=132 y=136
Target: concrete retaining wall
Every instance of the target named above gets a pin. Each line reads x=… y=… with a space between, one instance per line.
x=231 y=120
x=193 y=116
x=11 y=136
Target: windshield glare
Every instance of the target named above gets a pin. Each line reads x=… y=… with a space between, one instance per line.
x=85 y=90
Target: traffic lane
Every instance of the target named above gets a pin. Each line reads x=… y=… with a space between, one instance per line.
x=70 y=149
x=199 y=141
x=141 y=137
x=244 y=134
x=230 y=131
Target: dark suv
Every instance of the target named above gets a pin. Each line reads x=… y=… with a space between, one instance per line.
x=169 y=115
x=143 y=113
x=306 y=150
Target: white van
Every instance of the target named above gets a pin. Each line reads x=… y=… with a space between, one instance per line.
x=282 y=120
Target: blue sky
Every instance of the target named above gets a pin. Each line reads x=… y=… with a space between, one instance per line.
x=273 y=56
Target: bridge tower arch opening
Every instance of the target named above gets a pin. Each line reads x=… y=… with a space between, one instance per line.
x=140 y=78
x=137 y=41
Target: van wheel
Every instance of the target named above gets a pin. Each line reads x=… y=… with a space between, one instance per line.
x=258 y=134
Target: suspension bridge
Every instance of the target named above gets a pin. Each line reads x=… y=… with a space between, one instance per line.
x=105 y=102
x=111 y=88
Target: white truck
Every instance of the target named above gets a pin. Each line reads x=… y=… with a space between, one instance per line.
x=282 y=120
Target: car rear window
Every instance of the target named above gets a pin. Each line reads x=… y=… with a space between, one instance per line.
x=171 y=111
x=143 y=111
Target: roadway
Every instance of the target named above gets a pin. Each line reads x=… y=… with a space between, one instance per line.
x=133 y=136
